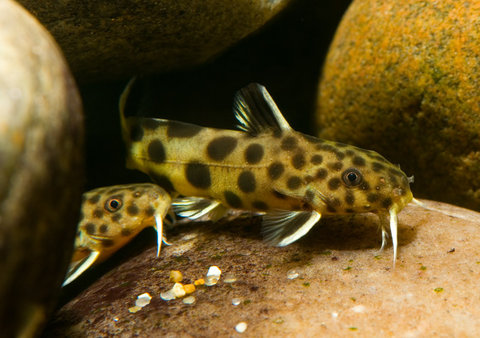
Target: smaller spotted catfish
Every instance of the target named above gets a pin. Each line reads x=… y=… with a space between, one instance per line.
x=266 y=167
x=111 y=217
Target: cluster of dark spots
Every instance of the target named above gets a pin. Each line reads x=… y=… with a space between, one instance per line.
x=289 y=143
x=337 y=166
x=219 y=148
x=117 y=217
x=94 y=199
x=376 y=166
x=294 y=182
x=311 y=139
x=90 y=228
x=378 y=157
x=308 y=178
x=331 y=209
x=107 y=243
x=334 y=183
x=232 y=199
x=103 y=228
x=321 y=173
x=316 y=159
x=97 y=213
x=298 y=161
x=126 y=232
x=365 y=185
x=326 y=147
x=254 y=153
x=198 y=175
x=246 y=182
x=277 y=133
x=340 y=156
x=393 y=179
x=349 y=152
x=259 y=205
x=372 y=198
x=113 y=191
x=349 y=198
x=275 y=170
x=136 y=132
x=334 y=202
x=387 y=202
x=132 y=210
x=395 y=171
x=150 y=211
x=279 y=195
x=182 y=130
x=359 y=161
x=156 y=151
x=162 y=181
x=309 y=196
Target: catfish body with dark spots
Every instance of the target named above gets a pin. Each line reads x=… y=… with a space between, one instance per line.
x=267 y=166
x=112 y=216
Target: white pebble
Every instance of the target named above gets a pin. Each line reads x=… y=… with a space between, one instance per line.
x=143 y=299
x=189 y=300
x=229 y=278
x=168 y=295
x=292 y=274
x=214 y=271
x=178 y=290
x=334 y=314
x=211 y=280
x=241 y=327
x=359 y=308
x=134 y=309
x=236 y=301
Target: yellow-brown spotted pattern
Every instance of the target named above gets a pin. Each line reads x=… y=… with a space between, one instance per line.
x=266 y=167
x=112 y=216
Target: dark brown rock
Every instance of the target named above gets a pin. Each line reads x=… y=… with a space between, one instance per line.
x=108 y=40
x=403 y=78
x=41 y=162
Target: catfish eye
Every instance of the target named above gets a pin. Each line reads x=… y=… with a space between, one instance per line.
x=352 y=177
x=113 y=204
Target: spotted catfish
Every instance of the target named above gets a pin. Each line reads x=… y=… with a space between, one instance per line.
x=111 y=217
x=267 y=167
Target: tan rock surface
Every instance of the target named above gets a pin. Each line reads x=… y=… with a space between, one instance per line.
x=403 y=78
x=41 y=171
x=343 y=285
x=105 y=40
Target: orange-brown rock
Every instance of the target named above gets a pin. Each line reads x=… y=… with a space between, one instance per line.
x=403 y=78
x=329 y=283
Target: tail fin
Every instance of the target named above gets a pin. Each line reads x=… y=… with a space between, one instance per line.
x=121 y=107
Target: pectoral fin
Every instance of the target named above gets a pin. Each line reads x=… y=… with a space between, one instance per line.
x=281 y=228
x=196 y=207
x=77 y=268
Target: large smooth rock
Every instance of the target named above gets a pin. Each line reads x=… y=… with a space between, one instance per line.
x=41 y=170
x=108 y=40
x=343 y=284
x=403 y=78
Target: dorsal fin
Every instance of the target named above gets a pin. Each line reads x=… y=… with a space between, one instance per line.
x=256 y=111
